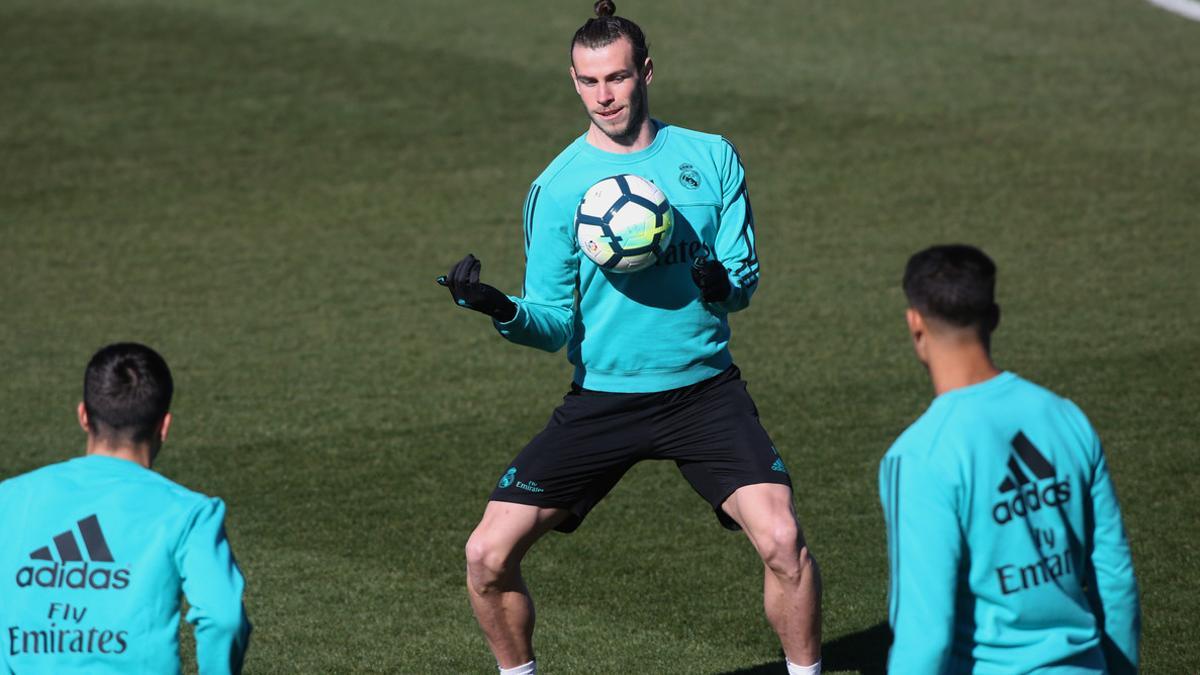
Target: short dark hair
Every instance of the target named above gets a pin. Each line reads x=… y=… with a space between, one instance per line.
x=956 y=284
x=127 y=390
x=606 y=28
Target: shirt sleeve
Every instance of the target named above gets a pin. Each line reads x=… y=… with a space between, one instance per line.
x=546 y=311
x=925 y=545
x=213 y=585
x=735 y=234
x=1116 y=586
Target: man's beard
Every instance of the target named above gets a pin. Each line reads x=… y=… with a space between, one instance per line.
x=637 y=117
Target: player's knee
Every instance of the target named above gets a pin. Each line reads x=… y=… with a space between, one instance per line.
x=487 y=562
x=782 y=549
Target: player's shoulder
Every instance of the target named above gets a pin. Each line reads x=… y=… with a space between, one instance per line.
x=181 y=493
x=713 y=156
x=1023 y=393
x=685 y=135
x=177 y=506
x=90 y=476
x=30 y=479
x=1057 y=408
x=559 y=169
x=921 y=437
x=937 y=437
x=715 y=145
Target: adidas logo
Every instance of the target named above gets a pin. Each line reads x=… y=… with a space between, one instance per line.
x=778 y=465
x=60 y=573
x=1031 y=494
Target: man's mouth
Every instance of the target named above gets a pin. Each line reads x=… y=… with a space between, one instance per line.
x=609 y=114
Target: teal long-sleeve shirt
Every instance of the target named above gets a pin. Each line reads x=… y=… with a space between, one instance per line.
x=1005 y=540
x=648 y=330
x=96 y=553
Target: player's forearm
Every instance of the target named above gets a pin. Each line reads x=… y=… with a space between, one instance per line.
x=221 y=644
x=739 y=299
x=545 y=327
x=1118 y=593
x=1116 y=584
x=740 y=262
x=918 y=651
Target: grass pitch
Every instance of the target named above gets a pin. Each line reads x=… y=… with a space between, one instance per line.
x=265 y=191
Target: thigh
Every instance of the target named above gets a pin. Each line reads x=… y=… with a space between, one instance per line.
x=760 y=508
x=512 y=528
x=720 y=445
x=585 y=449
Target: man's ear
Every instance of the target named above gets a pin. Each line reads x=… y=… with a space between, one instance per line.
x=574 y=80
x=648 y=70
x=81 y=413
x=164 y=426
x=916 y=323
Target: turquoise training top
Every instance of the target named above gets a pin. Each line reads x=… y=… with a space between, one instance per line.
x=648 y=330
x=96 y=551
x=1005 y=539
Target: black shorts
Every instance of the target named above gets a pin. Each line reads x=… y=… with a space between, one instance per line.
x=710 y=429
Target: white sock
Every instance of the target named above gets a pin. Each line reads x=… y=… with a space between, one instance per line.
x=525 y=669
x=814 y=669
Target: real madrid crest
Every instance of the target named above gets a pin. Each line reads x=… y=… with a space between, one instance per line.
x=689 y=177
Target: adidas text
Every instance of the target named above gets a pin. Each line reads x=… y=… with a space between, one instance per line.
x=63 y=576
x=1029 y=499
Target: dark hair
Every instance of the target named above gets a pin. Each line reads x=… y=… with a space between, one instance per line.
x=954 y=283
x=127 y=390
x=606 y=28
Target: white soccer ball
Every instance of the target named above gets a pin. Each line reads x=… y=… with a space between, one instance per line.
x=623 y=223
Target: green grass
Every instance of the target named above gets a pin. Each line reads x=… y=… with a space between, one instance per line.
x=265 y=192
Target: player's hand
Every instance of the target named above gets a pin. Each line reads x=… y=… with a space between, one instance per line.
x=469 y=292
x=711 y=278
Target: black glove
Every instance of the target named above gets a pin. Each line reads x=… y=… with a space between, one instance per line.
x=711 y=278
x=464 y=285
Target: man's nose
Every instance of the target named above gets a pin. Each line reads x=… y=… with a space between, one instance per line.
x=604 y=94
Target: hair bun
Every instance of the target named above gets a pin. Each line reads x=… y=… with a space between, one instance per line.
x=605 y=8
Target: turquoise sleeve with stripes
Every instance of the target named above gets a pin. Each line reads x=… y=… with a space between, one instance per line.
x=545 y=312
x=213 y=585
x=924 y=548
x=735 y=246
x=1116 y=585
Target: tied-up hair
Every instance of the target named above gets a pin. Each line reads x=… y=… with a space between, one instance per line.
x=955 y=284
x=606 y=28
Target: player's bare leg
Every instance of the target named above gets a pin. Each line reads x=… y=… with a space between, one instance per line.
x=791 y=578
x=499 y=597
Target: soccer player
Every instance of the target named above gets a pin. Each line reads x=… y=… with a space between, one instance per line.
x=653 y=375
x=97 y=549
x=1006 y=545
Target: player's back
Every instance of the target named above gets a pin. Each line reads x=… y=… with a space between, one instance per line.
x=1019 y=464
x=97 y=551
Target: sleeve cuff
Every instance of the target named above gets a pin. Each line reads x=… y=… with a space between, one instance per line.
x=517 y=321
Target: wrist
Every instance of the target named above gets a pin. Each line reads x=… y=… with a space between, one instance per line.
x=505 y=311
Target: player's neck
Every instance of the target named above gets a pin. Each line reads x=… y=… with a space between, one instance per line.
x=141 y=454
x=641 y=140
x=954 y=366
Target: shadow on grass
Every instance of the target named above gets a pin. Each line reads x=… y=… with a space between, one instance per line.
x=864 y=652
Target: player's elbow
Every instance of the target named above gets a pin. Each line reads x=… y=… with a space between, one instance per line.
x=544 y=327
x=228 y=620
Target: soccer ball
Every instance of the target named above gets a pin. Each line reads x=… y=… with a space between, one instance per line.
x=623 y=223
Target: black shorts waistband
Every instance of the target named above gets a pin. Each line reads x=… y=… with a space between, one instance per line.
x=730 y=374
